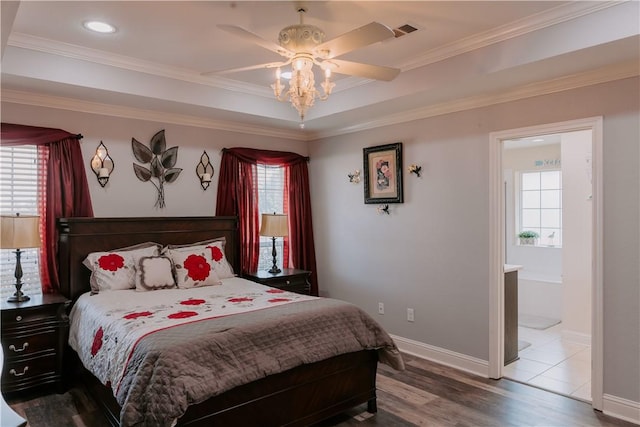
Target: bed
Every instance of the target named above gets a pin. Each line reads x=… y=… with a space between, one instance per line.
x=301 y=394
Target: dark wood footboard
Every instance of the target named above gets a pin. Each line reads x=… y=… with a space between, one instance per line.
x=299 y=397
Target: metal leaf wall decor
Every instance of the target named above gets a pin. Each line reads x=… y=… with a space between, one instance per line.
x=161 y=161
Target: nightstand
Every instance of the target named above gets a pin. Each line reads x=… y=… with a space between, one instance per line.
x=34 y=335
x=289 y=279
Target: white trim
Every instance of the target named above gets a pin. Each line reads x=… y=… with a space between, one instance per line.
x=442 y=356
x=624 y=409
x=496 y=250
x=61 y=103
x=542 y=88
x=597 y=268
x=560 y=84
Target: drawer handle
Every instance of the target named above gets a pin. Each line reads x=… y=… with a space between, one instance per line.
x=15 y=374
x=24 y=347
x=288 y=282
x=18 y=318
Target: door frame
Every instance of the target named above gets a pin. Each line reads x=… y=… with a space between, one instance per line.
x=497 y=249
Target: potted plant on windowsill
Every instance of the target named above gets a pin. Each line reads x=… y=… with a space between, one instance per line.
x=528 y=237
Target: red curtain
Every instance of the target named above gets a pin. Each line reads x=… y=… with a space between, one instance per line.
x=66 y=191
x=238 y=195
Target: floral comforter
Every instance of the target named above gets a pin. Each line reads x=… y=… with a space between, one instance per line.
x=161 y=351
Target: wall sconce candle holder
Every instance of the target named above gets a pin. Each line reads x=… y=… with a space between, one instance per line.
x=102 y=164
x=415 y=169
x=204 y=170
x=354 y=177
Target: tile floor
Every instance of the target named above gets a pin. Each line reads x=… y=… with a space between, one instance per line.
x=552 y=363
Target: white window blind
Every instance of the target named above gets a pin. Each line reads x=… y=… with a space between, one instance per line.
x=19 y=194
x=270 y=200
x=541 y=205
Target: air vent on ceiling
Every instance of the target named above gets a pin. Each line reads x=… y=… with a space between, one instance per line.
x=403 y=30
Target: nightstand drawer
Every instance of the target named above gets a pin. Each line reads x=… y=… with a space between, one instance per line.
x=23 y=345
x=26 y=372
x=18 y=318
x=289 y=279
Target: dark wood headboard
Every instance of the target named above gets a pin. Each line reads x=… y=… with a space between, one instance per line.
x=80 y=236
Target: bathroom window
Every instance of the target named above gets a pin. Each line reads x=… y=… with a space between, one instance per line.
x=541 y=206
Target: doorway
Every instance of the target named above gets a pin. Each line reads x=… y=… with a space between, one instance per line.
x=508 y=217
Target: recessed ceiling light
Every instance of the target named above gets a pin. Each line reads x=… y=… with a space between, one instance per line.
x=99 y=27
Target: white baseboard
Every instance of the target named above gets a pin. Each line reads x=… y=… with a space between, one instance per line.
x=624 y=409
x=443 y=356
x=577 y=337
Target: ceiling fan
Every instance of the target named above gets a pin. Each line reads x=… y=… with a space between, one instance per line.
x=304 y=42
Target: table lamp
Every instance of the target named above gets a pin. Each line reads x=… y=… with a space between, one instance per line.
x=19 y=232
x=274 y=225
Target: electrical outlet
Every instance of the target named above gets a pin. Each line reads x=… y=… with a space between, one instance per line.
x=380 y=308
x=410 y=314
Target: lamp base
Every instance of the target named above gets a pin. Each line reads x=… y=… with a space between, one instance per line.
x=19 y=297
x=275 y=270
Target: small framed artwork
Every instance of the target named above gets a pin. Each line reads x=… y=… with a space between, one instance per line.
x=383 y=174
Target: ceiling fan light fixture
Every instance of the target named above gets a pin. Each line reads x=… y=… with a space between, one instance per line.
x=302 y=91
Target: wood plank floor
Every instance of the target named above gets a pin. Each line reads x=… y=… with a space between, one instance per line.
x=425 y=394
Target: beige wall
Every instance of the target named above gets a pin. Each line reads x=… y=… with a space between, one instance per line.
x=577 y=233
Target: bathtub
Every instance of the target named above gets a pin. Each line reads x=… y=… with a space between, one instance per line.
x=539 y=295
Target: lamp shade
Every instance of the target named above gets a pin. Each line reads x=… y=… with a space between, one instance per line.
x=17 y=232
x=274 y=225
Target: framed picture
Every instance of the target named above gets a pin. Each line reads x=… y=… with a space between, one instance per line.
x=383 y=174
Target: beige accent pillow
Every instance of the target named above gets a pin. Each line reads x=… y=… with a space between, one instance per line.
x=154 y=272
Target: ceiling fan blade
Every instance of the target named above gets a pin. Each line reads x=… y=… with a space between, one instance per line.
x=254 y=38
x=375 y=72
x=360 y=37
x=248 y=68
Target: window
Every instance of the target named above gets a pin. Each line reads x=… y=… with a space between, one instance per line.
x=270 y=200
x=19 y=194
x=541 y=205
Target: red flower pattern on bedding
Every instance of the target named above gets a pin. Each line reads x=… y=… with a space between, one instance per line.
x=275 y=291
x=197 y=267
x=242 y=299
x=192 y=302
x=279 y=300
x=216 y=253
x=97 y=342
x=138 y=314
x=111 y=262
x=182 y=315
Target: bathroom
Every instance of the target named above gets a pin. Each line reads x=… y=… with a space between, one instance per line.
x=548 y=191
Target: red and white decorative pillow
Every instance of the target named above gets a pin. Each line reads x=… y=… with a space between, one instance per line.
x=194 y=268
x=116 y=269
x=211 y=250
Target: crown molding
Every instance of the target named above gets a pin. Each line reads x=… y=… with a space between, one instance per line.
x=589 y=78
x=70 y=104
x=602 y=75
x=508 y=31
